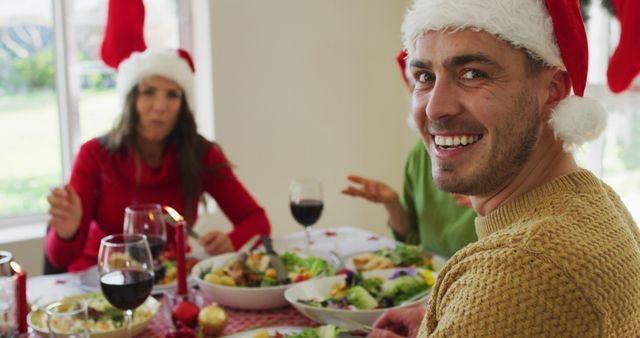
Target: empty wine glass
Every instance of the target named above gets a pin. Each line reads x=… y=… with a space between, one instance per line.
x=126 y=272
x=147 y=219
x=305 y=198
x=67 y=319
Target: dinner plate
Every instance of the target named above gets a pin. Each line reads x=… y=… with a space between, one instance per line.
x=37 y=320
x=437 y=262
x=272 y=330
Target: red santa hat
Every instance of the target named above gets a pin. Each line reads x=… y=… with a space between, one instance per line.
x=551 y=31
x=124 y=48
x=624 y=64
x=176 y=65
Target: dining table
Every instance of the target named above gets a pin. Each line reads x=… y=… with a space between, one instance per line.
x=344 y=242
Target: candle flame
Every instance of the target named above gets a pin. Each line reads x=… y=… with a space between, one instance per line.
x=16 y=267
x=174 y=214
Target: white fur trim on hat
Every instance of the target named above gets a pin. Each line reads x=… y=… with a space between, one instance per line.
x=577 y=120
x=524 y=24
x=163 y=62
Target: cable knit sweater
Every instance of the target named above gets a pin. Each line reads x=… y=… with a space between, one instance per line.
x=563 y=260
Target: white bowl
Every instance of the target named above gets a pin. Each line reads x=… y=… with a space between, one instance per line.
x=321 y=288
x=37 y=320
x=255 y=298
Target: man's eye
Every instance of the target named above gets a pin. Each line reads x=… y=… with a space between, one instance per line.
x=472 y=74
x=425 y=77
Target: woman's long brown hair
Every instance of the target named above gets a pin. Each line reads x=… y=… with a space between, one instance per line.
x=190 y=147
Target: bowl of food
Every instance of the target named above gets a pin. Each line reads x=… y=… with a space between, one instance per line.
x=250 y=281
x=357 y=298
x=401 y=256
x=104 y=320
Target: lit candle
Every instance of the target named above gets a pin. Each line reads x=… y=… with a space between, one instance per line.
x=181 y=266
x=180 y=259
x=21 y=297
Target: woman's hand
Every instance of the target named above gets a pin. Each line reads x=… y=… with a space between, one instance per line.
x=399 y=323
x=371 y=190
x=216 y=242
x=65 y=208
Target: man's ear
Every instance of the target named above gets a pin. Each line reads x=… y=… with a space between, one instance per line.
x=558 y=88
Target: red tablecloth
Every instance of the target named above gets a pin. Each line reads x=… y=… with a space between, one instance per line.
x=238 y=320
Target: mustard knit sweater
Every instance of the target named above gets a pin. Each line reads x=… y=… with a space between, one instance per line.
x=563 y=260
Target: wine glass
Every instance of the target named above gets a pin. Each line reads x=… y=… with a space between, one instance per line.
x=126 y=272
x=305 y=198
x=147 y=219
x=67 y=319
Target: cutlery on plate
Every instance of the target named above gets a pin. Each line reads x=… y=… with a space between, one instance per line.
x=274 y=260
x=346 y=323
x=249 y=244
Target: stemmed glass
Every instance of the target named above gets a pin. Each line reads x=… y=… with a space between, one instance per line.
x=67 y=319
x=126 y=272
x=147 y=219
x=305 y=198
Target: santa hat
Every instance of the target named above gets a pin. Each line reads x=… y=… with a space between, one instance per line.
x=170 y=63
x=624 y=64
x=124 y=48
x=551 y=31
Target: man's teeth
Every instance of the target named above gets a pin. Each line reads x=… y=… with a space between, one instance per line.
x=455 y=141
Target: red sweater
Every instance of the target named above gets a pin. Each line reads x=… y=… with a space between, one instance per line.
x=106 y=185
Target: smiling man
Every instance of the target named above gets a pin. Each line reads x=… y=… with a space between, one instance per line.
x=558 y=253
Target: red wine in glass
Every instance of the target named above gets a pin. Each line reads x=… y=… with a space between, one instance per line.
x=307 y=212
x=125 y=266
x=127 y=288
x=305 y=199
x=147 y=219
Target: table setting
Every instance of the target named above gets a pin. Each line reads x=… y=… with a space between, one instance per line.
x=271 y=287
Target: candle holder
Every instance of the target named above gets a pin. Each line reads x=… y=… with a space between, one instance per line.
x=8 y=324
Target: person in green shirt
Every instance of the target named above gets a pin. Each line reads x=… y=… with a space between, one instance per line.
x=424 y=215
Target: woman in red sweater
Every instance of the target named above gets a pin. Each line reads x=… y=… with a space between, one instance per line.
x=153 y=155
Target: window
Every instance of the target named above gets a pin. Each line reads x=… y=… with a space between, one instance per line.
x=56 y=93
x=614 y=156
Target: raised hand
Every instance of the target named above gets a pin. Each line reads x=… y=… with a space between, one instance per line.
x=215 y=242
x=371 y=190
x=462 y=200
x=65 y=208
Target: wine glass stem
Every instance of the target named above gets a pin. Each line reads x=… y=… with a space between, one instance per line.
x=128 y=314
x=307 y=233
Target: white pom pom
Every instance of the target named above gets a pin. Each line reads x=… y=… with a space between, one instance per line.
x=577 y=120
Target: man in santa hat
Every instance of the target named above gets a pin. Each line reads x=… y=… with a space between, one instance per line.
x=558 y=254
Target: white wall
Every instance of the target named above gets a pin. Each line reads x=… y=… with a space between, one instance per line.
x=310 y=89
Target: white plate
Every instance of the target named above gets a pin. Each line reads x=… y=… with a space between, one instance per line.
x=246 y=298
x=150 y=303
x=321 y=288
x=272 y=330
x=438 y=262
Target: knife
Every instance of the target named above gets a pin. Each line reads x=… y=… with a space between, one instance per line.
x=248 y=245
x=275 y=261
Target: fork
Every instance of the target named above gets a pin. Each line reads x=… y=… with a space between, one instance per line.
x=346 y=323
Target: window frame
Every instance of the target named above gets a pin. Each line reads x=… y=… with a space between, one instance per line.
x=67 y=91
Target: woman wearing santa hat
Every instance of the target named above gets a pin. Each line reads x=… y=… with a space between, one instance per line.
x=152 y=155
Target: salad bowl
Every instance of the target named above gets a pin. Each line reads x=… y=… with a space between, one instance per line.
x=311 y=298
x=257 y=293
x=103 y=322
